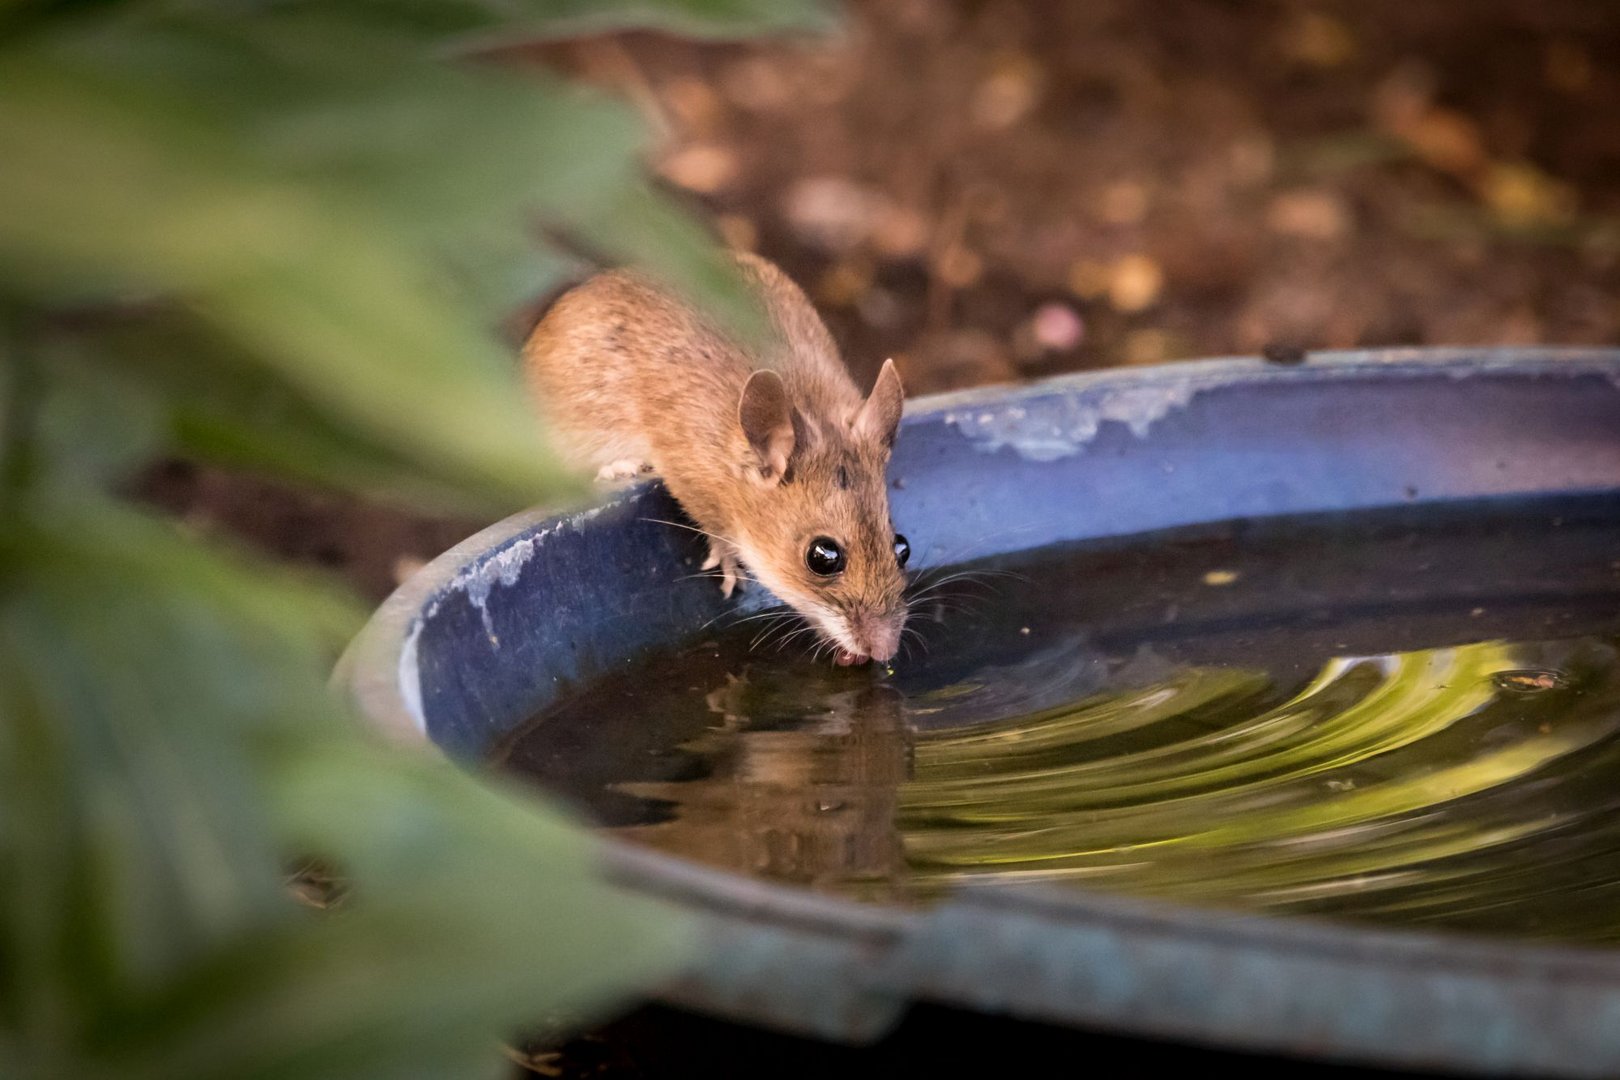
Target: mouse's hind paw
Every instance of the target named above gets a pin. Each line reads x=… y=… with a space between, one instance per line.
x=724 y=556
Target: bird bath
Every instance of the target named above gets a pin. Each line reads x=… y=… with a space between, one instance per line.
x=1498 y=469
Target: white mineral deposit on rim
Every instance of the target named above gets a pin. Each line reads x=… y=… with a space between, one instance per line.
x=1061 y=426
x=504 y=567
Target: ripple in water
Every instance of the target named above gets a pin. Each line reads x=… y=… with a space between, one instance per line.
x=1413 y=721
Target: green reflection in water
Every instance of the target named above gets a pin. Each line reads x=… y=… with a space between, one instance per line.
x=1409 y=786
x=1417 y=787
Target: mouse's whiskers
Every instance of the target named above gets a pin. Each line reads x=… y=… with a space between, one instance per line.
x=778 y=622
x=794 y=635
x=692 y=529
x=910 y=635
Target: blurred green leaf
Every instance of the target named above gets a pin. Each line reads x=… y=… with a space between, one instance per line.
x=280 y=235
x=310 y=212
x=692 y=18
x=93 y=424
x=123 y=391
x=107 y=185
x=135 y=666
x=494 y=22
x=137 y=672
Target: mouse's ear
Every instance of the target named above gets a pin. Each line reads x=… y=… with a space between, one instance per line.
x=766 y=416
x=879 y=416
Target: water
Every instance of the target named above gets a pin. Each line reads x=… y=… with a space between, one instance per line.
x=1407 y=717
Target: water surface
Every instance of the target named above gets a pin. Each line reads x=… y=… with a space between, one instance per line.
x=1411 y=717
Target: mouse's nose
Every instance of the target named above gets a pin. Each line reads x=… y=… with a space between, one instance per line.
x=879 y=635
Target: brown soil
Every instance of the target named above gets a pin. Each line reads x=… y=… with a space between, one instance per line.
x=1168 y=179
x=1006 y=189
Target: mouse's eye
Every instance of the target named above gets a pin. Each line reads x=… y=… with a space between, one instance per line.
x=824 y=557
x=902 y=549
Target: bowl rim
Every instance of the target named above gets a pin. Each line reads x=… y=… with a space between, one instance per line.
x=895 y=955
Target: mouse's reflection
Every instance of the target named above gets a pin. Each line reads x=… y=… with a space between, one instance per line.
x=809 y=801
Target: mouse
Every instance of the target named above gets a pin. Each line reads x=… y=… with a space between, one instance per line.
x=771 y=450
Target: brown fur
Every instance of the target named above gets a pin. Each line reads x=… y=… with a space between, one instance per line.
x=627 y=372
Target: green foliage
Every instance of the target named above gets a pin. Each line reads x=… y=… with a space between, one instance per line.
x=491 y=22
x=278 y=235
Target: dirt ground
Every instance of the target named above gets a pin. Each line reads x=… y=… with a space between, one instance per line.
x=1001 y=190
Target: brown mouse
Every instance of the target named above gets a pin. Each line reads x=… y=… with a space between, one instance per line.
x=772 y=451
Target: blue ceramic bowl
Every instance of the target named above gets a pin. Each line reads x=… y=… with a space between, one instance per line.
x=493 y=630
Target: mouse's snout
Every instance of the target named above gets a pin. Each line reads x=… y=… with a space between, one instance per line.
x=878 y=633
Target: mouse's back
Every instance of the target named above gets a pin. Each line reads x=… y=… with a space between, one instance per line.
x=620 y=359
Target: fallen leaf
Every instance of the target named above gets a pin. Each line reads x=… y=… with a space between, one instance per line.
x=899 y=233
x=1446 y=140
x=1088 y=278
x=691 y=101
x=755 y=83
x=703 y=168
x=1008 y=93
x=958 y=267
x=842 y=284
x=1134 y=283
x=1317 y=39
x=1519 y=195
x=834 y=213
x=1309 y=215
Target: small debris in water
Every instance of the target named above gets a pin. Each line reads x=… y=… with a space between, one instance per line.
x=1476 y=613
x=1024 y=630
x=1530 y=680
x=1220 y=577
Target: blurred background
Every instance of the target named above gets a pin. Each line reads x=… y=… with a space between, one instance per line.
x=1005 y=190
x=997 y=191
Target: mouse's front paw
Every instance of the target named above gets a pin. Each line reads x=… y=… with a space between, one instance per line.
x=625 y=469
x=724 y=556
